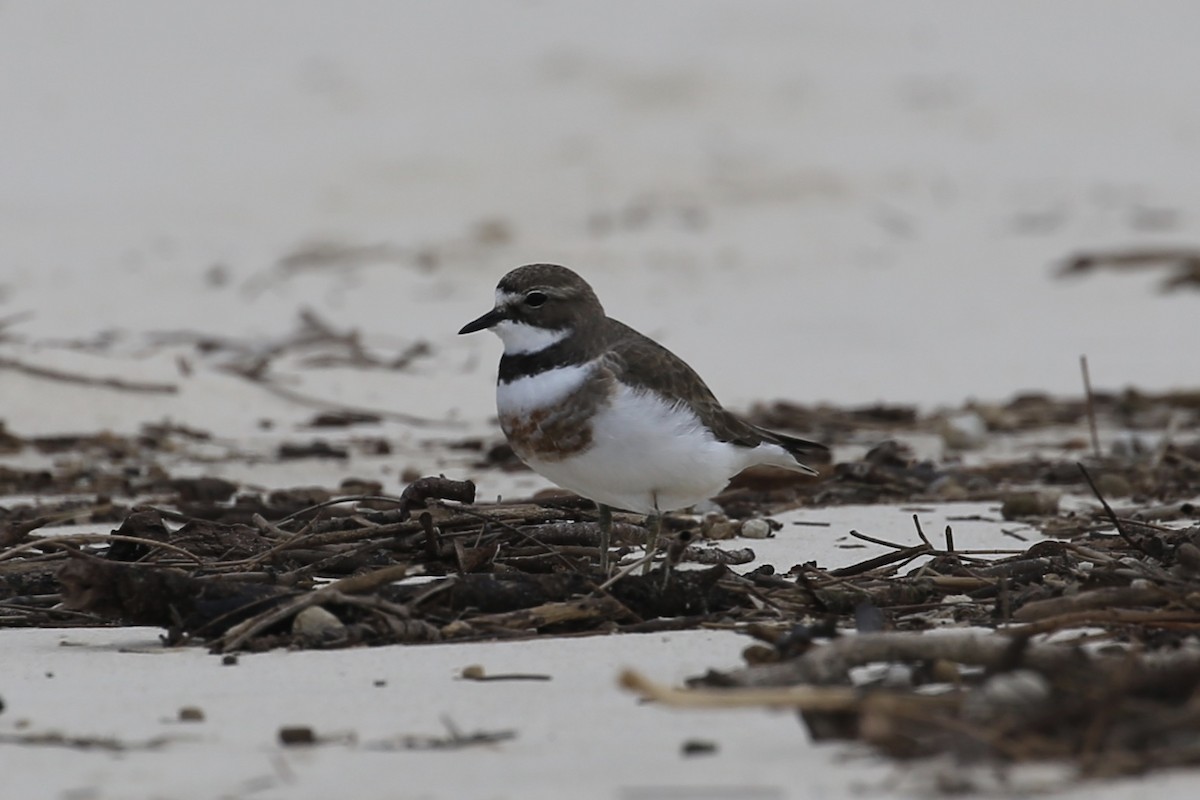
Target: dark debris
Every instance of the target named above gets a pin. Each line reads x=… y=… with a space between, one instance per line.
x=234 y=569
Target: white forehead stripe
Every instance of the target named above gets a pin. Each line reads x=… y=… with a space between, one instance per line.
x=521 y=339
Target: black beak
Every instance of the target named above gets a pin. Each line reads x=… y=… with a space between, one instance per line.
x=483 y=323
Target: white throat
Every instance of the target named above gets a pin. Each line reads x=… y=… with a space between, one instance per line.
x=521 y=339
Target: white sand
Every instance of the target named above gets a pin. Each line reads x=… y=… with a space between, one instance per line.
x=807 y=201
x=884 y=194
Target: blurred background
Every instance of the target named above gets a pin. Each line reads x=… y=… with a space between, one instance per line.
x=815 y=201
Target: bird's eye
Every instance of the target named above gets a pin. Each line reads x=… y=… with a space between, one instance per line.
x=535 y=299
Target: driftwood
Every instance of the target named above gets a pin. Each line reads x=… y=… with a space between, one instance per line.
x=202 y=577
x=146 y=595
x=235 y=570
x=1111 y=713
x=239 y=586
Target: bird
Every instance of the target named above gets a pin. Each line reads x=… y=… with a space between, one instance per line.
x=608 y=413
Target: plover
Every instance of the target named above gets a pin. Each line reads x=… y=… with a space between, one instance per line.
x=608 y=413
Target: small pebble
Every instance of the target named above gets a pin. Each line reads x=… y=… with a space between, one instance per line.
x=699 y=747
x=191 y=714
x=1029 y=504
x=717 y=526
x=317 y=624
x=760 y=654
x=756 y=528
x=456 y=628
x=897 y=676
x=1188 y=557
x=296 y=734
x=473 y=672
x=228 y=660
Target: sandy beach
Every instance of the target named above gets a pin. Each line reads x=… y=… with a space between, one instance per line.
x=809 y=202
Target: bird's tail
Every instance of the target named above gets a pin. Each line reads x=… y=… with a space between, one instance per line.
x=805 y=452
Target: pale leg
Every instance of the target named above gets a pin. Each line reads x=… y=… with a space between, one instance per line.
x=654 y=523
x=605 y=535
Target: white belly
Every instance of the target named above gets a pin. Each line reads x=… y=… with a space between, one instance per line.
x=648 y=455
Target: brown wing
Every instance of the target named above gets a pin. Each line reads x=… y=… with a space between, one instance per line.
x=639 y=361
